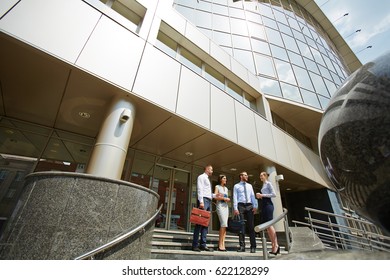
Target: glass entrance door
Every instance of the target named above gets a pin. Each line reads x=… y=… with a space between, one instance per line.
x=173 y=187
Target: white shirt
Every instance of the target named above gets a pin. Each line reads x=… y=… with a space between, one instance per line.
x=204 y=187
x=239 y=195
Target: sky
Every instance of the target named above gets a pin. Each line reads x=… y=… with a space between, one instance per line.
x=372 y=17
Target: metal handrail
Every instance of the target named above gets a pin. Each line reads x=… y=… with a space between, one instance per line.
x=358 y=236
x=262 y=228
x=120 y=238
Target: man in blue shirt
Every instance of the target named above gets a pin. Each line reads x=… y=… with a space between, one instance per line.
x=205 y=195
x=245 y=205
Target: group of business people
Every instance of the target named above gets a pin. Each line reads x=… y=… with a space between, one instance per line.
x=244 y=204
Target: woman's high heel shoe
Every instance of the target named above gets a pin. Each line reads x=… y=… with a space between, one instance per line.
x=277 y=251
x=222 y=250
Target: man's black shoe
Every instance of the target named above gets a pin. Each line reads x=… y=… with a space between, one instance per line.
x=196 y=249
x=206 y=249
x=253 y=250
x=242 y=249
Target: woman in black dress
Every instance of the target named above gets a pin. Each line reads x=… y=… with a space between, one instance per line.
x=267 y=210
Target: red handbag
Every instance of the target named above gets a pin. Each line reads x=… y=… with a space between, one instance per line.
x=200 y=217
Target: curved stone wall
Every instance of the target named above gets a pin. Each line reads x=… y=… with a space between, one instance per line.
x=64 y=215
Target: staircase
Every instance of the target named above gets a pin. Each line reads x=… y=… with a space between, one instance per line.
x=177 y=245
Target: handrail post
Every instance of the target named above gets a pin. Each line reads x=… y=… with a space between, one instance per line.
x=287 y=232
x=264 y=242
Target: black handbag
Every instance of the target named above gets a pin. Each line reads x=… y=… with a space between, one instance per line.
x=235 y=224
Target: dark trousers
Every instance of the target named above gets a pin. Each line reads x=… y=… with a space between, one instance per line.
x=246 y=213
x=201 y=229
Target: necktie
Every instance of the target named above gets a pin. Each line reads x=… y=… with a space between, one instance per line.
x=246 y=195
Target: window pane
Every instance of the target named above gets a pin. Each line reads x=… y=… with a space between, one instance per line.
x=235 y=91
x=256 y=30
x=274 y=36
x=291 y=92
x=279 y=52
x=245 y=58
x=239 y=27
x=319 y=84
x=269 y=86
x=264 y=65
x=290 y=43
x=190 y=60
x=310 y=98
x=221 y=23
x=260 y=46
x=222 y=39
x=241 y=42
x=303 y=78
x=296 y=59
x=166 y=44
x=214 y=77
x=285 y=72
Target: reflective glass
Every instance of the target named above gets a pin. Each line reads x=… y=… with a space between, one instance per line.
x=245 y=58
x=222 y=38
x=331 y=87
x=214 y=77
x=291 y=92
x=279 y=52
x=234 y=90
x=256 y=30
x=220 y=9
x=264 y=65
x=188 y=13
x=203 y=19
x=285 y=72
x=319 y=84
x=325 y=72
x=265 y=10
x=305 y=51
x=280 y=17
x=260 y=46
x=274 y=36
x=303 y=78
x=269 y=86
x=310 y=98
x=324 y=101
x=311 y=65
x=285 y=29
x=238 y=26
x=221 y=23
x=190 y=60
x=241 y=42
x=270 y=22
x=290 y=43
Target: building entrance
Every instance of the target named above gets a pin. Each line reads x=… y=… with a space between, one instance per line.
x=173 y=186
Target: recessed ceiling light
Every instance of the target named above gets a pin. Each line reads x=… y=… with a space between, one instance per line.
x=9 y=131
x=188 y=154
x=233 y=169
x=84 y=115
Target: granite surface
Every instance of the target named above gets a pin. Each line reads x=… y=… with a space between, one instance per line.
x=64 y=215
x=354 y=141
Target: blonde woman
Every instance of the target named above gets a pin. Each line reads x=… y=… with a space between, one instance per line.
x=267 y=210
x=222 y=197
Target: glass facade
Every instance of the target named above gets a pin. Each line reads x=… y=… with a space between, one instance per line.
x=278 y=41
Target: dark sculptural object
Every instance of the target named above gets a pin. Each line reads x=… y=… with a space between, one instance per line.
x=354 y=141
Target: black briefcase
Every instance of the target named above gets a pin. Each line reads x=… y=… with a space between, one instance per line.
x=235 y=224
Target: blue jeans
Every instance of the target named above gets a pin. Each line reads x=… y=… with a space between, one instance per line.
x=201 y=229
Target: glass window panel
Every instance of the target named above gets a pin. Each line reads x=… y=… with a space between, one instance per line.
x=324 y=101
x=293 y=23
x=222 y=39
x=303 y=78
x=190 y=60
x=234 y=91
x=238 y=13
x=241 y=42
x=328 y=63
x=331 y=87
x=290 y=43
x=203 y=5
x=274 y=36
x=310 y=98
x=245 y=58
x=269 y=86
x=204 y=19
x=305 y=51
x=260 y=46
x=238 y=26
x=291 y=92
x=280 y=17
x=220 y=9
x=285 y=72
x=256 y=30
x=222 y=2
x=207 y=32
x=214 y=77
x=311 y=65
x=319 y=84
x=298 y=35
x=296 y=59
x=311 y=42
x=265 y=10
x=188 y=13
x=265 y=66
x=255 y=17
x=221 y=23
x=228 y=50
x=279 y=52
x=250 y=101
x=285 y=29
x=317 y=56
x=336 y=78
x=270 y=22
x=325 y=72
x=166 y=44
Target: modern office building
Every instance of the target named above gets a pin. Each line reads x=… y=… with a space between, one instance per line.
x=150 y=92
